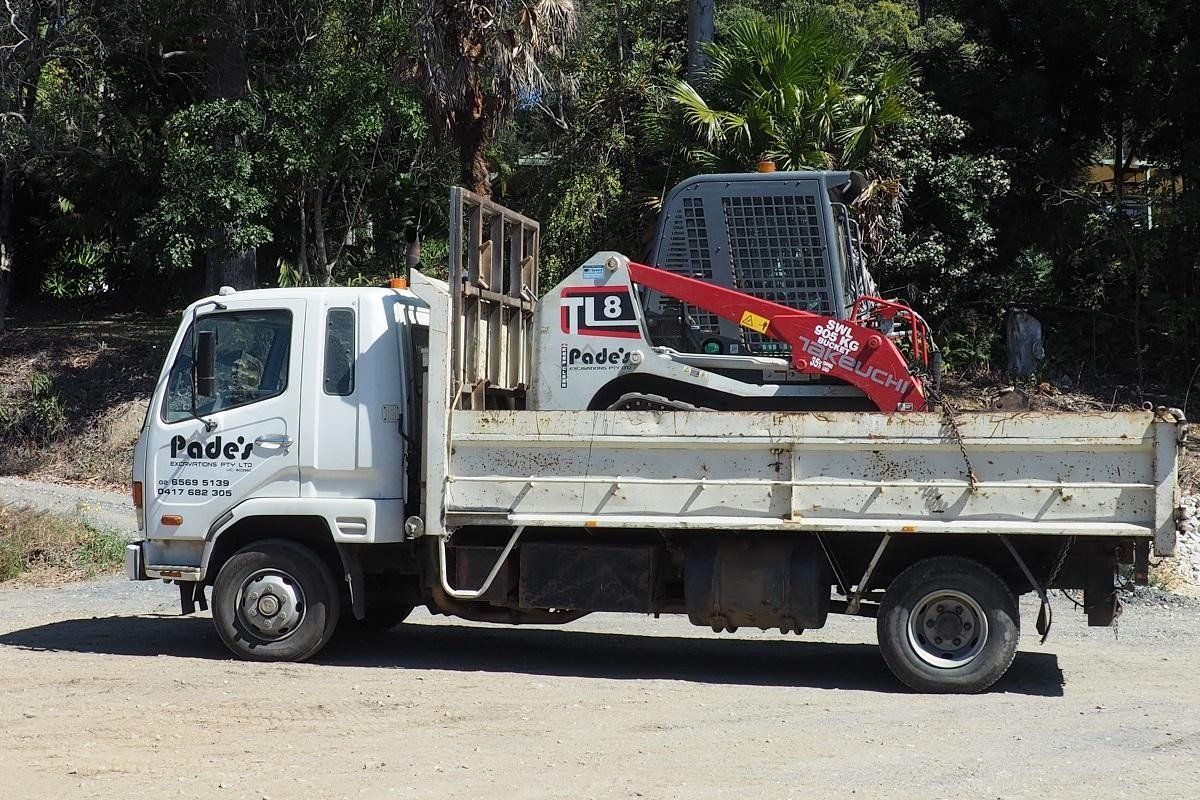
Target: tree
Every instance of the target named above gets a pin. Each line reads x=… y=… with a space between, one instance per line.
x=604 y=156
x=700 y=33
x=1052 y=88
x=348 y=144
x=479 y=60
x=36 y=36
x=787 y=89
x=230 y=257
x=317 y=167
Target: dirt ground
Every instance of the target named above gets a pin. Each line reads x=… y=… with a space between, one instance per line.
x=104 y=693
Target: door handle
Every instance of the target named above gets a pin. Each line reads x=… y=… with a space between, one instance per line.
x=275 y=439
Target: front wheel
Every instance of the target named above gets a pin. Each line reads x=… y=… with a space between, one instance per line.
x=949 y=625
x=275 y=600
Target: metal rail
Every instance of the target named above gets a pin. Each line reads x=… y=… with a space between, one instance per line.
x=474 y=594
x=948 y=484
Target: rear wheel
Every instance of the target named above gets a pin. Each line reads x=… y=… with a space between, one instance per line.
x=948 y=624
x=275 y=600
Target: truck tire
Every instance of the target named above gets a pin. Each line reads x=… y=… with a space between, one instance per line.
x=275 y=600
x=948 y=625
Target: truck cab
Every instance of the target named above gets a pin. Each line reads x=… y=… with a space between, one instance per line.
x=306 y=407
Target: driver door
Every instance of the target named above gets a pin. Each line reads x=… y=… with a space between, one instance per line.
x=238 y=437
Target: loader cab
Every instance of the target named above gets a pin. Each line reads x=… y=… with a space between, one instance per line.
x=788 y=237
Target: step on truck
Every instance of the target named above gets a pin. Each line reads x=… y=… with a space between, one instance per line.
x=741 y=432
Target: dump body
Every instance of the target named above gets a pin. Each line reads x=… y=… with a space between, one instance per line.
x=1050 y=474
x=1054 y=474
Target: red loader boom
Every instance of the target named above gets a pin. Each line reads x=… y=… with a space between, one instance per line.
x=859 y=351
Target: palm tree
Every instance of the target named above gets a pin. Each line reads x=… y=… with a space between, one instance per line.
x=787 y=89
x=479 y=58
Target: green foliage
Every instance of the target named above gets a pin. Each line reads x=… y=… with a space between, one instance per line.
x=969 y=342
x=1031 y=280
x=214 y=195
x=943 y=240
x=78 y=271
x=976 y=126
x=604 y=155
x=289 y=276
x=477 y=61
x=349 y=145
x=788 y=89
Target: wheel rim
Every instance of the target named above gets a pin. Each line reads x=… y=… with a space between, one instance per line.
x=947 y=629
x=271 y=603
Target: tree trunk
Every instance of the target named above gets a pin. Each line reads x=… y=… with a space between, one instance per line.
x=324 y=265
x=622 y=32
x=470 y=133
x=238 y=269
x=302 y=256
x=700 y=32
x=23 y=95
x=228 y=79
x=475 y=174
x=7 y=256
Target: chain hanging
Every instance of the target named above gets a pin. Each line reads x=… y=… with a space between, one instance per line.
x=948 y=412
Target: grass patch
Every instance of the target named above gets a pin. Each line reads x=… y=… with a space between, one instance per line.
x=55 y=546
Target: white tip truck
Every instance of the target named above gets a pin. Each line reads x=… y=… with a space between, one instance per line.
x=740 y=434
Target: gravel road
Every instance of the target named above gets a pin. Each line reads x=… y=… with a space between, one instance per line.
x=104 y=509
x=104 y=693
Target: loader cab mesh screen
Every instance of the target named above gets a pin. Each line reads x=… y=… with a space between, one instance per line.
x=687 y=252
x=765 y=235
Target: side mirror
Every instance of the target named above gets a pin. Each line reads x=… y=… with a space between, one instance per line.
x=206 y=349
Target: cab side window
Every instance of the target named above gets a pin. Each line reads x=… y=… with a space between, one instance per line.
x=251 y=363
x=339 y=352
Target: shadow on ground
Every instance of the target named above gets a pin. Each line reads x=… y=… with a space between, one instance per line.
x=556 y=652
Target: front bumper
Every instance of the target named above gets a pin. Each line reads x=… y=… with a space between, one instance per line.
x=135 y=564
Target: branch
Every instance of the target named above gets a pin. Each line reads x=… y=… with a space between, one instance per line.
x=352 y=215
x=559 y=121
x=13 y=23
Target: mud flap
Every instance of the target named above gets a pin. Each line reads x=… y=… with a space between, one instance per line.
x=191 y=594
x=1100 y=591
x=1045 y=617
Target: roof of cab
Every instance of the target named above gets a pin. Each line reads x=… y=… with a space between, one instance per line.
x=336 y=293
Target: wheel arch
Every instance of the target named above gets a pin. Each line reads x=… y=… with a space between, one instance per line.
x=855 y=551
x=311 y=531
